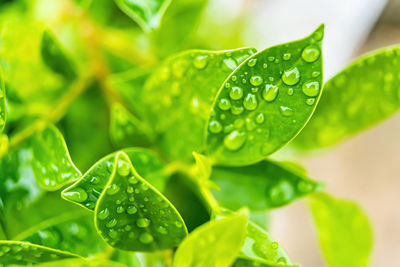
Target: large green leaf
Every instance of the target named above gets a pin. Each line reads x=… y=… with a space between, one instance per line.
x=132 y=215
x=15 y=252
x=147 y=13
x=344 y=232
x=265 y=102
x=3 y=111
x=86 y=191
x=363 y=94
x=55 y=57
x=179 y=95
x=126 y=130
x=214 y=244
x=50 y=160
x=265 y=185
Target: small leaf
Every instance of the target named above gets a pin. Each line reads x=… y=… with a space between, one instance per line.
x=265 y=185
x=344 y=232
x=216 y=243
x=127 y=130
x=86 y=191
x=179 y=95
x=247 y=262
x=16 y=252
x=132 y=215
x=147 y=13
x=265 y=102
x=50 y=160
x=3 y=111
x=363 y=94
x=55 y=56
x=82 y=263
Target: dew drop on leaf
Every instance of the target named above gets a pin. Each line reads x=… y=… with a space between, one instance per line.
x=103 y=214
x=286 y=111
x=310 y=101
x=78 y=195
x=291 y=76
x=131 y=210
x=215 y=126
x=235 y=140
x=310 y=89
x=270 y=92
x=252 y=62
x=200 y=62
x=310 y=53
x=256 y=80
x=250 y=102
x=260 y=118
x=146 y=238
x=224 y=104
x=236 y=93
x=143 y=222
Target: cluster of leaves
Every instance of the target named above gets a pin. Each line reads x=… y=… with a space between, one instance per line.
x=183 y=157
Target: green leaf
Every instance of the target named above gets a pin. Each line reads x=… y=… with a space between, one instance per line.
x=3 y=111
x=16 y=252
x=55 y=56
x=363 y=94
x=147 y=13
x=203 y=166
x=265 y=102
x=82 y=263
x=127 y=130
x=70 y=231
x=216 y=243
x=265 y=185
x=179 y=95
x=344 y=232
x=246 y=262
x=50 y=161
x=86 y=191
x=132 y=215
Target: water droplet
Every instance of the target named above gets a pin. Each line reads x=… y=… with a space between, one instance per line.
x=214 y=126
x=103 y=214
x=146 y=238
x=315 y=74
x=200 y=62
x=79 y=195
x=250 y=102
x=271 y=59
x=129 y=190
x=94 y=180
x=133 y=180
x=286 y=111
x=178 y=224
x=235 y=110
x=131 y=209
x=227 y=85
x=286 y=56
x=111 y=223
x=281 y=193
x=270 y=92
x=252 y=62
x=310 y=53
x=236 y=93
x=123 y=168
x=290 y=91
x=224 y=104
x=304 y=186
x=235 y=140
x=112 y=189
x=250 y=124
x=230 y=63
x=310 y=101
x=274 y=245
x=143 y=222
x=162 y=230
x=260 y=118
x=256 y=80
x=265 y=65
x=234 y=78
x=291 y=76
x=120 y=209
x=310 y=89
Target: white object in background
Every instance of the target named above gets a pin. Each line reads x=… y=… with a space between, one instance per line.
x=347 y=24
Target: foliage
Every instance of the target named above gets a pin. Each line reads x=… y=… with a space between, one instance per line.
x=174 y=147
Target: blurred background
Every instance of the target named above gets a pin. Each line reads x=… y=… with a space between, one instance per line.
x=364 y=169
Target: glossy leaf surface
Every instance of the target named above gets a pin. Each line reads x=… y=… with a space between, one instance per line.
x=344 y=231
x=265 y=185
x=3 y=111
x=216 y=243
x=50 y=160
x=147 y=13
x=55 y=56
x=363 y=94
x=179 y=95
x=87 y=189
x=132 y=215
x=265 y=102
x=127 y=130
x=15 y=252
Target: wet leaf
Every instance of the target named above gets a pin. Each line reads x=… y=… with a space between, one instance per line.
x=216 y=243
x=179 y=95
x=265 y=185
x=147 y=13
x=3 y=111
x=86 y=191
x=50 y=160
x=132 y=215
x=55 y=56
x=265 y=102
x=127 y=130
x=363 y=94
x=16 y=252
x=344 y=232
